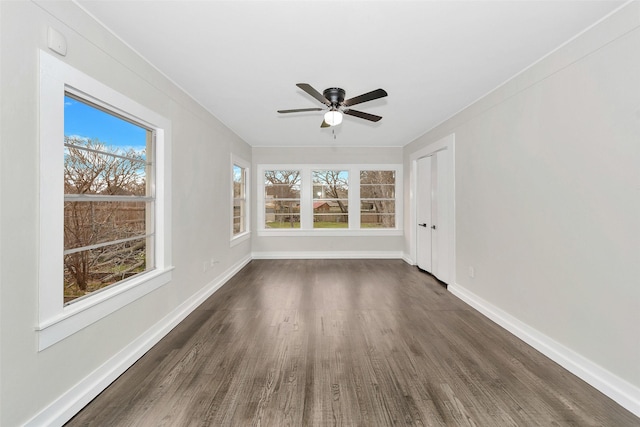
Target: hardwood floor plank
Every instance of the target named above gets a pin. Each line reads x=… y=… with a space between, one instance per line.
x=344 y=343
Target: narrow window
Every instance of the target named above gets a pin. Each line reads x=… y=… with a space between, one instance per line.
x=377 y=199
x=330 y=199
x=239 y=199
x=282 y=199
x=108 y=198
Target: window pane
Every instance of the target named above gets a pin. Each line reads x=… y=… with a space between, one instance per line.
x=238 y=181
x=238 y=216
x=377 y=199
x=92 y=172
x=92 y=270
x=282 y=191
x=377 y=221
x=282 y=214
x=376 y=191
x=377 y=177
x=90 y=223
x=108 y=156
x=377 y=214
x=330 y=199
x=377 y=206
x=331 y=214
x=282 y=184
x=103 y=154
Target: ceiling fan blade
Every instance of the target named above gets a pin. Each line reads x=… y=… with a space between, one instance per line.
x=300 y=110
x=311 y=91
x=325 y=125
x=369 y=96
x=362 y=115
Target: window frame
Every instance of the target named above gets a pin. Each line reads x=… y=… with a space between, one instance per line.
x=57 y=321
x=316 y=198
x=288 y=200
x=382 y=200
x=246 y=234
x=306 y=201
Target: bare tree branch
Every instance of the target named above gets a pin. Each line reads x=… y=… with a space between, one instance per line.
x=91 y=167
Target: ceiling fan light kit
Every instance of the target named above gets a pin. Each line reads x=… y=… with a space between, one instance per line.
x=334 y=99
x=333 y=117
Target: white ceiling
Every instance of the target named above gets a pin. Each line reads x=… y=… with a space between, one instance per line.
x=242 y=59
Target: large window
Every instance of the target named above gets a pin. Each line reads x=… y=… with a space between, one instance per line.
x=239 y=199
x=316 y=200
x=104 y=237
x=108 y=198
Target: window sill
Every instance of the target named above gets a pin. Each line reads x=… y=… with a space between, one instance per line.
x=330 y=232
x=83 y=313
x=239 y=238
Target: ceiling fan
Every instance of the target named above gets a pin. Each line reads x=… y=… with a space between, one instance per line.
x=334 y=99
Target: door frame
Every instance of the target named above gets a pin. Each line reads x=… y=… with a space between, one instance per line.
x=446 y=143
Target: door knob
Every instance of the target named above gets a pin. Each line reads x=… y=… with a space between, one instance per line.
x=433 y=227
x=422 y=225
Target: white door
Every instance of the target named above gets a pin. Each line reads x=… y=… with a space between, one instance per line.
x=424 y=213
x=432 y=192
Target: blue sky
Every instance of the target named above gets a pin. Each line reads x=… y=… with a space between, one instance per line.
x=85 y=121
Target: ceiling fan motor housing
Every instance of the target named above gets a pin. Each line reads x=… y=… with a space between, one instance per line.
x=335 y=95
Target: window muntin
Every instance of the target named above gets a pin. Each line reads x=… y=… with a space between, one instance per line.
x=239 y=199
x=377 y=198
x=330 y=198
x=108 y=198
x=282 y=198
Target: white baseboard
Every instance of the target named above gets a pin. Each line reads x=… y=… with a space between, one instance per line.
x=624 y=393
x=329 y=255
x=67 y=405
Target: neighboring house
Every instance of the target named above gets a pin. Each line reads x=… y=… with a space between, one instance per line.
x=321 y=207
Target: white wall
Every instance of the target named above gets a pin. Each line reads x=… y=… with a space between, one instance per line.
x=548 y=204
x=323 y=246
x=32 y=381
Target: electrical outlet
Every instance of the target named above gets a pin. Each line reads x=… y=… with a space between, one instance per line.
x=213 y=262
x=472 y=272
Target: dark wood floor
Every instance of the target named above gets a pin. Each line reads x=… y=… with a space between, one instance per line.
x=344 y=342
